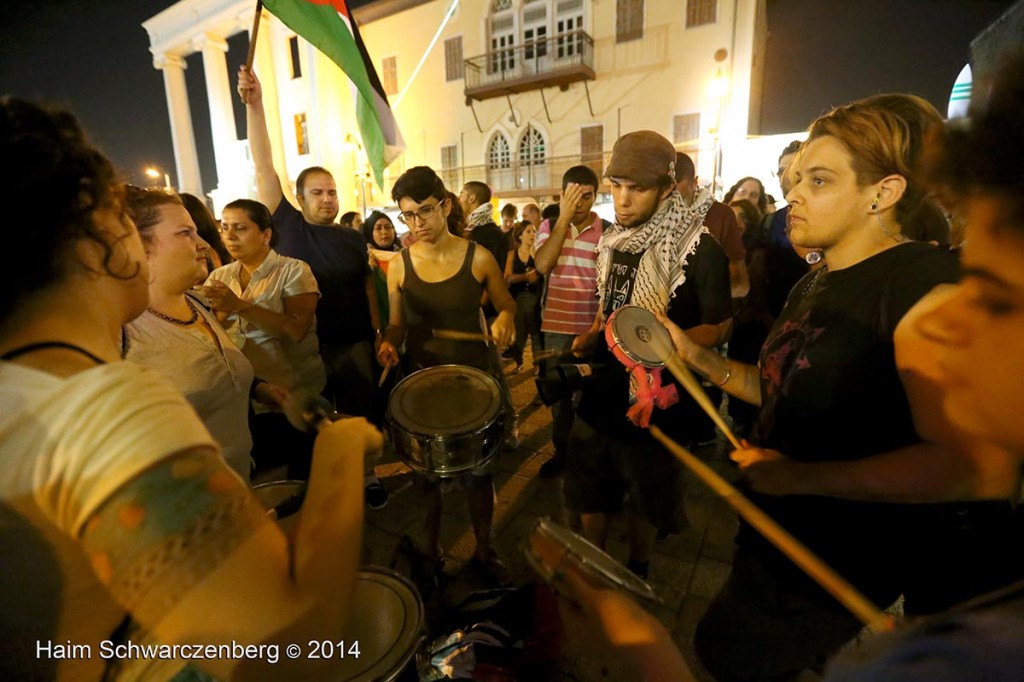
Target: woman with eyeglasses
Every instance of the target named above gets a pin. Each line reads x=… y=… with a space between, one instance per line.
x=438 y=283
x=444 y=291
x=267 y=302
x=750 y=189
x=121 y=522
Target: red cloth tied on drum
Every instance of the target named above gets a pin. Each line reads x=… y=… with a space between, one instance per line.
x=642 y=345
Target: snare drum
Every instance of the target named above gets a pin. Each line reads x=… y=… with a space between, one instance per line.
x=386 y=624
x=446 y=420
x=636 y=337
x=552 y=548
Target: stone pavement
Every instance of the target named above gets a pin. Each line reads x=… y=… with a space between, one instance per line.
x=686 y=570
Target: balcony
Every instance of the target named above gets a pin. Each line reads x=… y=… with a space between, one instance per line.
x=559 y=60
x=522 y=179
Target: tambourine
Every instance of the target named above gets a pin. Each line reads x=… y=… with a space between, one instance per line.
x=643 y=346
x=553 y=549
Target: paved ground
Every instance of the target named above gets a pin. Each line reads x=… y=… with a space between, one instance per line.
x=686 y=570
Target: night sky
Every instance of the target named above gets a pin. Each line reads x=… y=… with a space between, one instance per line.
x=93 y=56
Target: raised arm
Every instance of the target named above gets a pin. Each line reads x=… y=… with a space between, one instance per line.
x=547 y=253
x=268 y=184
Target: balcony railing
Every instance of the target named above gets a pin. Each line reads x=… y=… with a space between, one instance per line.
x=521 y=178
x=558 y=60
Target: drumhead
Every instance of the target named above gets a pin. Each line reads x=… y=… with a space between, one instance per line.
x=445 y=400
x=386 y=621
x=591 y=560
x=640 y=336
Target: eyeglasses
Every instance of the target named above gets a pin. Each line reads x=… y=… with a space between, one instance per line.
x=423 y=213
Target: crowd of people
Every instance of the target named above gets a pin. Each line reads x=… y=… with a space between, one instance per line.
x=155 y=356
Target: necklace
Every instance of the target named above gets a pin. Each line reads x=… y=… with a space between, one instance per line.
x=174 y=320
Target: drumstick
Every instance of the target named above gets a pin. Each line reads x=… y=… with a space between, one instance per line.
x=456 y=335
x=547 y=354
x=680 y=371
x=845 y=593
x=384 y=374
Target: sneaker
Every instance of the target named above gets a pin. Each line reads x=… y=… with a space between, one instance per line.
x=553 y=467
x=492 y=570
x=376 y=495
x=512 y=440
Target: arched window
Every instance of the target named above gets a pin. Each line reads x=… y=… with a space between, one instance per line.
x=499 y=162
x=533 y=154
x=532 y=149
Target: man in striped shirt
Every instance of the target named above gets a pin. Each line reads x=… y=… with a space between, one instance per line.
x=567 y=255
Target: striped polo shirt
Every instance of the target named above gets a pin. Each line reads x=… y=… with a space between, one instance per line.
x=571 y=303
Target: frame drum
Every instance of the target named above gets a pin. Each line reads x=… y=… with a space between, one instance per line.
x=446 y=420
x=637 y=338
x=553 y=548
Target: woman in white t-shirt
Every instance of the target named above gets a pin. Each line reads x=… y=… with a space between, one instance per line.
x=116 y=506
x=267 y=303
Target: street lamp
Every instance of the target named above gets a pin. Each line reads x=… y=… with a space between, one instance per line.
x=155 y=172
x=718 y=89
x=353 y=145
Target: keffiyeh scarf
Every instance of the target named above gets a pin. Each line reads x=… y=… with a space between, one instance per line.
x=666 y=240
x=481 y=215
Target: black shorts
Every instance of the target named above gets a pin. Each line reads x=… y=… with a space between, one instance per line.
x=600 y=472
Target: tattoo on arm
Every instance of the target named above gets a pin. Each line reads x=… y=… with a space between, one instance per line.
x=157 y=536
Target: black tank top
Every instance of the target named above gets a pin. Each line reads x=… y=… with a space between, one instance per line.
x=453 y=303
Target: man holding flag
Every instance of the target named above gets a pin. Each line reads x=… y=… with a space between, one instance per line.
x=347 y=312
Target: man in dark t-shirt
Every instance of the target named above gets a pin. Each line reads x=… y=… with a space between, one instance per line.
x=659 y=256
x=347 y=315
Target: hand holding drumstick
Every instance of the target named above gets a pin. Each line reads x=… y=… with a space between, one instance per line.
x=767 y=471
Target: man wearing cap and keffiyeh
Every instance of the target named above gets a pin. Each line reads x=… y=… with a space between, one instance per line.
x=657 y=255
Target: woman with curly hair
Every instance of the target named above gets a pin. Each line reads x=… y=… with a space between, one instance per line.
x=121 y=521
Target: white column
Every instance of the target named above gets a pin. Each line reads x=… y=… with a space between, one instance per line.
x=222 y=117
x=185 y=158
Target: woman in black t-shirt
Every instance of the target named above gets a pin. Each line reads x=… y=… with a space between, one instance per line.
x=828 y=388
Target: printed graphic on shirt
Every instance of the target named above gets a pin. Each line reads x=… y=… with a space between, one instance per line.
x=621 y=278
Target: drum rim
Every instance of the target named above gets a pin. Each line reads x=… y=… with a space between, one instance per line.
x=416 y=431
x=626 y=581
x=418 y=631
x=629 y=353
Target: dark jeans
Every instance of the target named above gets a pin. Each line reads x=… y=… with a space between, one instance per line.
x=757 y=629
x=352 y=375
x=527 y=325
x=562 y=412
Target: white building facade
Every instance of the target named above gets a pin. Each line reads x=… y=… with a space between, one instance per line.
x=511 y=92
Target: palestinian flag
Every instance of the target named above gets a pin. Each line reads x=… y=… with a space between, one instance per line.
x=328 y=25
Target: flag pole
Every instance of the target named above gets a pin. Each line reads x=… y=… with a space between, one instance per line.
x=252 y=44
